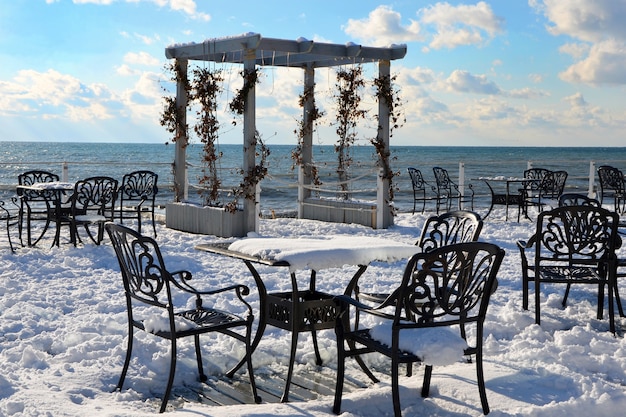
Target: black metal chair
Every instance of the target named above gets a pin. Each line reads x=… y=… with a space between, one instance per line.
x=446 y=229
x=575 y=199
x=91 y=204
x=572 y=245
x=612 y=184
x=10 y=216
x=542 y=190
x=448 y=286
x=447 y=191
x=35 y=206
x=147 y=282
x=419 y=188
x=137 y=195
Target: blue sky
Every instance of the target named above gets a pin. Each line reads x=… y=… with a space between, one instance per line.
x=492 y=73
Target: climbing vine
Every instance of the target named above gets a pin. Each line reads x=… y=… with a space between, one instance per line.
x=255 y=174
x=172 y=115
x=386 y=92
x=206 y=87
x=349 y=85
x=306 y=126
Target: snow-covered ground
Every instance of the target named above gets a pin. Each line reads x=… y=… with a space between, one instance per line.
x=63 y=330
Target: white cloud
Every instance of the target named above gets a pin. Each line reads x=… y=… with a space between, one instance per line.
x=586 y=20
x=463 y=81
x=382 y=27
x=604 y=65
x=599 y=25
x=141 y=58
x=460 y=25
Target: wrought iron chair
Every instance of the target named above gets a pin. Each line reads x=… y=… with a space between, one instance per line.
x=137 y=195
x=35 y=206
x=438 y=231
x=447 y=190
x=148 y=283
x=448 y=286
x=10 y=216
x=446 y=229
x=575 y=199
x=419 y=188
x=612 y=184
x=539 y=193
x=91 y=203
x=572 y=245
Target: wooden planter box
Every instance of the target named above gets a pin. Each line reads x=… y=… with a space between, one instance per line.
x=204 y=220
x=338 y=211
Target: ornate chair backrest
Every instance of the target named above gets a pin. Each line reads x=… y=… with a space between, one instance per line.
x=141 y=263
x=576 y=235
x=536 y=175
x=138 y=185
x=451 y=284
x=611 y=178
x=553 y=183
x=33 y=177
x=417 y=180
x=574 y=199
x=450 y=228
x=442 y=178
x=95 y=195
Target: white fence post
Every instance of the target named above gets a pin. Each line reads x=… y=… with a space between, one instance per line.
x=462 y=183
x=380 y=200
x=300 y=191
x=592 y=179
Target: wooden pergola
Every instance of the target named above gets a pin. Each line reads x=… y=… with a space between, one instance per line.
x=252 y=50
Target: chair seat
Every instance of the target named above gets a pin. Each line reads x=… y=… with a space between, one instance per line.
x=197 y=321
x=583 y=274
x=90 y=218
x=364 y=337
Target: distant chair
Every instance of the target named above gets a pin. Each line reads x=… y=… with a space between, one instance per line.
x=35 y=206
x=445 y=291
x=419 y=188
x=10 y=216
x=137 y=195
x=541 y=192
x=575 y=199
x=447 y=191
x=612 y=184
x=149 y=284
x=91 y=204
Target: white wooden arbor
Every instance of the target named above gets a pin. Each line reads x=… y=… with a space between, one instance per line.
x=253 y=50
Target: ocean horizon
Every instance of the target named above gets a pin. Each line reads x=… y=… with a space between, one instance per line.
x=278 y=190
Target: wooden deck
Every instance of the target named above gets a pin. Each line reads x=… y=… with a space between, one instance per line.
x=307 y=385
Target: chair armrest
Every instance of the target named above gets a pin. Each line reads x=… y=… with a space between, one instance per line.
x=181 y=280
x=345 y=302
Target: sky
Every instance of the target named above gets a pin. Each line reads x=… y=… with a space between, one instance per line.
x=476 y=73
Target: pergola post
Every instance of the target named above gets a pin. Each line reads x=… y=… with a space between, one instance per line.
x=180 y=155
x=384 y=216
x=307 y=130
x=249 y=143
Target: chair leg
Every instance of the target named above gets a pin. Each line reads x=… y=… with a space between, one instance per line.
x=255 y=395
x=170 y=379
x=428 y=372
x=341 y=365
x=395 y=388
x=564 y=302
x=196 y=339
x=480 y=378
x=537 y=297
x=129 y=350
x=318 y=357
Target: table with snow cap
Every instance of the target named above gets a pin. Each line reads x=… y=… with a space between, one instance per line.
x=309 y=310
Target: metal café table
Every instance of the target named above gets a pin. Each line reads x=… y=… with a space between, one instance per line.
x=52 y=194
x=507 y=198
x=305 y=310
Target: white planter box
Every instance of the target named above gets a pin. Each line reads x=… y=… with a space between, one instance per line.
x=338 y=211
x=204 y=220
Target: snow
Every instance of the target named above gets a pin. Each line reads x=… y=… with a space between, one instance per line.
x=63 y=336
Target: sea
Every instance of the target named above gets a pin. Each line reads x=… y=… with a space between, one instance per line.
x=279 y=193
